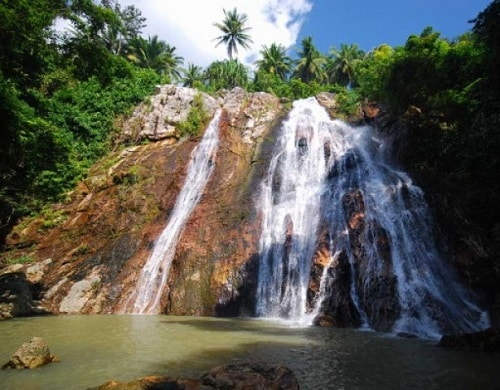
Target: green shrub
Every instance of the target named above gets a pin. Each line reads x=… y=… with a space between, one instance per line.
x=196 y=120
x=23 y=259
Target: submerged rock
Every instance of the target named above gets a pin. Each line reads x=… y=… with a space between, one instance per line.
x=232 y=376
x=33 y=354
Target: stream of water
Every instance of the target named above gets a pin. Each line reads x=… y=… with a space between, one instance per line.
x=328 y=175
x=154 y=275
x=96 y=349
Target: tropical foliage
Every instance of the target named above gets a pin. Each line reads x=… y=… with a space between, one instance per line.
x=226 y=74
x=341 y=65
x=274 y=61
x=61 y=91
x=310 y=65
x=193 y=76
x=155 y=54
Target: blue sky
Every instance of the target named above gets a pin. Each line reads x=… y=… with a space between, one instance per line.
x=188 y=24
x=370 y=23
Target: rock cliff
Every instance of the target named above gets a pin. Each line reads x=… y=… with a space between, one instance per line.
x=89 y=250
x=101 y=236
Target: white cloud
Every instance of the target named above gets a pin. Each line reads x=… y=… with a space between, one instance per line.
x=188 y=25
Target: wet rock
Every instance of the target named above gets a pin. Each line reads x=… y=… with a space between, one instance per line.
x=376 y=288
x=152 y=383
x=338 y=304
x=250 y=376
x=485 y=341
x=370 y=110
x=233 y=376
x=16 y=299
x=324 y=321
x=33 y=354
x=221 y=237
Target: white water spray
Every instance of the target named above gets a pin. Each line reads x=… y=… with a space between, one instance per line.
x=318 y=164
x=154 y=275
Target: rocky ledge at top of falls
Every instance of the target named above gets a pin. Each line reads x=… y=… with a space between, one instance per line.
x=100 y=237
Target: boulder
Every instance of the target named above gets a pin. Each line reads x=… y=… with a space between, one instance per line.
x=250 y=376
x=327 y=100
x=152 y=382
x=232 y=376
x=36 y=271
x=33 y=354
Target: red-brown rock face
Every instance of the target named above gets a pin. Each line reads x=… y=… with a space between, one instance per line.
x=215 y=260
x=101 y=237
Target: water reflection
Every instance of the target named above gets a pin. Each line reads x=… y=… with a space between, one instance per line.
x=94 y=349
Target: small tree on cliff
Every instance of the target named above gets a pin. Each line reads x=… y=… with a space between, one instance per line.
x=233 y=32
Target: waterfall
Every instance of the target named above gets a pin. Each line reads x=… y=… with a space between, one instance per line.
x=154 y=275
x=346 y=235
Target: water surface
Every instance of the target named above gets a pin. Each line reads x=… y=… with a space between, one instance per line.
x=95 y=349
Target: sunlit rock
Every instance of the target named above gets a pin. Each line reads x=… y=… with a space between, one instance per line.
x=32 y=354
x=232 y=376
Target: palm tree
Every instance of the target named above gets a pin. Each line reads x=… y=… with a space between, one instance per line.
x=192 y=75
x=310 y=66
x=171 y=63
x=341 y=65
x=155 y=54
x=233 y=32
x=274 y=61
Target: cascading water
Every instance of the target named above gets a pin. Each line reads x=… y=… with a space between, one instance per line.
x=330 y=187
x=154 y=275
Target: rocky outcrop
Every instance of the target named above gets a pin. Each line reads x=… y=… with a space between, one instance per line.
x=80 y=293
x=158 y=118
x=376 y=289
x=100 y=237
x=32 y=354
x=16 y=298
x=250 y=376
x=233 y=376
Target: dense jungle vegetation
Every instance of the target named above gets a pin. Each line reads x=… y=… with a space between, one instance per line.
x=63 y=93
